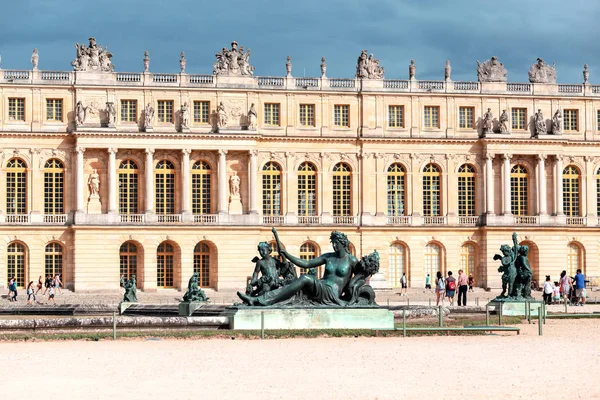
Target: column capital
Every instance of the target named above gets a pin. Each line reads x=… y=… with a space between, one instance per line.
x=222 y=152
x=112 y=150
x=80 y=150
x=541 y=157
x=489 y=156
x=186 y=152
x=559 y=157
x=253 y=153
x=507 y=156
x=588 y=158
x=149 y=151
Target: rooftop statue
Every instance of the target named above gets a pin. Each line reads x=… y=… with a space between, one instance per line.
x=343 y=282
x=35 y=58
x=368 y=67
x=491 y=71
x=92 y=58
x=516 y=271
x=233 y=62
x=130 y=295
x=541 y=72
x=194 y=292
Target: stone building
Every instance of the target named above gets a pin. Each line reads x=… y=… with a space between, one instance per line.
x=105 y=173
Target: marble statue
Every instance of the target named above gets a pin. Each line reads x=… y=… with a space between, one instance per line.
x=130 y=295
x=146 y=61
x=92 y=58
x=412 y=70
x=488 y=122
x=367 y=67
x=94 y=183
x=222 y=116
x=491 y=71
x=234 y=185
x=148 y=116
x=323 y=67
x=586 y=74
x=35 y=58
x=447 y=70
x=288 y=66
x=540 y=72
x=516 y=272
x=182 y=63
x=557 y=123
x=503 y=122
x=233 y=62
x=252 y=116
x=540 y=123
x=111 y=112
x=194 y=292
x=80 y=113
x=185 y=115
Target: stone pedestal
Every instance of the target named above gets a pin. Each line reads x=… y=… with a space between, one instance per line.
x=235 y=205
x=94 y=206
x=187 y=308
x=515 y=308
x=124 y=305
x=378 y=281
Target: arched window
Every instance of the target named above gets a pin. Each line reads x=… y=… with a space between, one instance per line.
x=396 y=190
x=128 y=254
x=307 y=189
x=432 y=191
x=466 y=190
x=53 y=260
x=571 y=191
x=271 y=189
x=518 y=190
x=397 y=264
x=128 y=187
x=16 y=263
x=201 y=188
x=432 y=260
x=573 y=259
x=54 y=187
x=16 y=187
x=165 y=256
x=342 y=190
x=467 y=259
x=308 y=251
x=202 y=263
x=165 y=187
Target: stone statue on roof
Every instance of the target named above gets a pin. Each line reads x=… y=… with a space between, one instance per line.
x=234 y=62
x=92 y=58
x=491 y=71
x=367 y=67
x=541 y=72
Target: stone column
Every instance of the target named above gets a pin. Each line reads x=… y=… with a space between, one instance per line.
x=222 y=182
x=506 y=184
x=489 y=183
x=149 y=181
x=252 y=181
x=542 y=208
x=558 y=184
x=112 y=180
x=79 y=180
x=185 y=181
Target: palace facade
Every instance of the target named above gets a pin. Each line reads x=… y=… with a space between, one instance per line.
x=106 y=173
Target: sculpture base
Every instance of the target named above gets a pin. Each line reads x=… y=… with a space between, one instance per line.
x=243 y=318
x=124 y=305
x=94 y=206
x=515 y=307
x=187 y=308
x=235 y=206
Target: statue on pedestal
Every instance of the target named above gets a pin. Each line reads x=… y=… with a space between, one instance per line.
x=412 y=70
x=323 y=67
x=233 y=62
x=35 y=58
x=148 y=116
x=130 y=295
x=586 y=74
x=194 y=292
x=540 y=123
x=557 y=123
x=252 y=118
x=503 y=122
x=447 y=70
x=288 y=66
x=92 y=58
x=516 y=271
x=182 y=63
x=185 y=116
x=491 y=71
x=222 y=116
x=146 y=61
x=234 y=185
x=542 y=73
x=80 y=113
x=111 y=112
x=94 y=184
x=368 y=67
x=488 y=122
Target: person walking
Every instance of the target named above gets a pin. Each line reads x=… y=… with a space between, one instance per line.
x=440 y=287
x=57 y=283
x=30 y=293
x=427 y=283
x=471 y=281
x=580 y=288
x=51 y=295
x=47 y=284
x=404 y=282
x=462 y=288
x=548 y=290
x=556 y=295
x=12 y=289
x=450 y=287
x=40 y=285
x=565 y=285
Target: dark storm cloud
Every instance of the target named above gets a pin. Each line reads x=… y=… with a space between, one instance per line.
x=395 y=31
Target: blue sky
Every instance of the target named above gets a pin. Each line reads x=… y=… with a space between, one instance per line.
x=516 y=31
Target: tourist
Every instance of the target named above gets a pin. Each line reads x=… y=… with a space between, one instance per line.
x=471 y=281
x=462 y=288
x=579 y=288
x=51 y=295
x=30 y=293
x=450 y=287
x=57 y=283
x=40 y=285
x=122 y=282
x=47 y=284
x=12 y=289
x=565 y=285
x=404 y=284
x=548 y=290
x=427 y=283
x=440 y=287
x=556 y=297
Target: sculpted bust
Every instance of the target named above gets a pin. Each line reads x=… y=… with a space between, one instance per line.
x=491 y=71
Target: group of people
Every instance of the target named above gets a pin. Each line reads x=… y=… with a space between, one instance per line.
x=446 y=288
x=50 y=285
x=567 y=288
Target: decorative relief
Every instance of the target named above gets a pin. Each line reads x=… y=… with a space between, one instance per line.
x=368 y=67
x=491 y=71
x=233 y=62
x=92 y=58
x=540 y=72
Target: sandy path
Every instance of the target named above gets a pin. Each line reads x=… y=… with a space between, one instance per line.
x=327 y=368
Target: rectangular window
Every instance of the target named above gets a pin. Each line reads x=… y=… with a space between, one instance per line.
x=519 y=118
x=570 y=119
x=201 y=112
x=396 y=116
x=598 y=120
x=16 y=109
x=165 y=111
x=341 y=115
x=128 y=110
x=54 y=110
x=431 y=117
x=307 y=114
x=272 y=114
x=466 y=117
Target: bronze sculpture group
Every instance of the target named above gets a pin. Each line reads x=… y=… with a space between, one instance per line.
x=194 y=292
x=130 y=295
x=516 y=272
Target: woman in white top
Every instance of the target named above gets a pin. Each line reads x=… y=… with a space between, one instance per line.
x=440 y=288
x=548 y=290
x=565 y=285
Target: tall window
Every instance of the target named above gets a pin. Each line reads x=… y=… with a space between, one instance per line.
x=15 y=263
x=53 y=256
x=397 y=263
x=519 y=118
x=164 y=265
x=128 y=187
x=202 y=263
x=201 y=188
x=307 y=189
x=165 y=187
x=466 y=117
x=598 y=120
x=573 y=259
x=466 y=190
x=341 y=115
x=432 y=261
x=201 y=112
x=165 y=111
x=54 y=110
x=16 y=187
x=128 y=110
x=307 y=114
x=272 y=114
x=342 y=190
x=396 y=190
x=128 y=256
x=431 y=117
x=571 y=184
x=396 y=116
x=518 y=190
x=467 y=258
x=432 y=191
x=308 y=251
x=271 y=189
x=598 y=192
x=16 y=109
x=570 y=120
x=54 y=187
